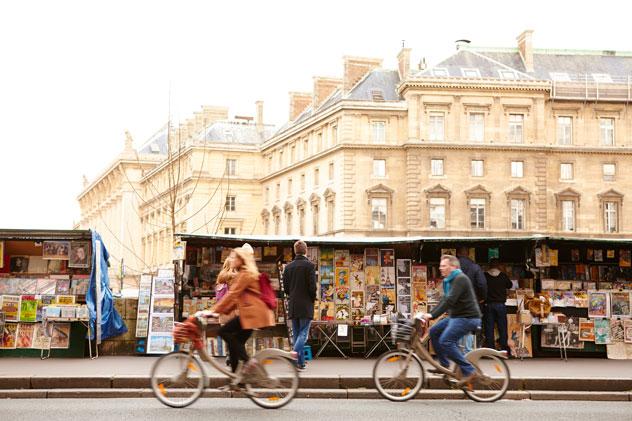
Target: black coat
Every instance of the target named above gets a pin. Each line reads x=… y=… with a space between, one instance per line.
x=476 y=275
x=299 y=284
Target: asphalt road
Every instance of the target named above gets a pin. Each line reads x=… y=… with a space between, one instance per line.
x=312 y=409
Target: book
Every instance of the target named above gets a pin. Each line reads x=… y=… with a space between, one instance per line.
x=25 y=335
x=37 y=265
x=68 y=312
x=26 y=286
x=46 y=286
x=28 y=308
x=11 y=307
x=62 y=287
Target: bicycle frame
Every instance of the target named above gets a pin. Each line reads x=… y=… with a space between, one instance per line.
x=418 y=346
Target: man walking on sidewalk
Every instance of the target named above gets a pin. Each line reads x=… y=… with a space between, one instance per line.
x=299 y=284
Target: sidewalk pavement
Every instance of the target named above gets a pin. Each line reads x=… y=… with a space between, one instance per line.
x=578 y=379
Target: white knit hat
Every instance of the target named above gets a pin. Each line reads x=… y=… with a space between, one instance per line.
x=247 y=247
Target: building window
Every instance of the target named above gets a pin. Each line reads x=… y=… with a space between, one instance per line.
x=568 y=215
x=334 y=135
x=303 y=182
x=231 y=166
x=301 y=221
x=566 y=171
x=470 y=72
x=565 y=130
x=437 y=212
x=277 y=194
x=330 y=215
x=331 y=171
x=280 y=159
x=269 y=163
x=267 y=195
x=516 y=124
x=305 y=148
x=436 y=126
x=230 y=203
x=319 y=145
x=293 y=154
x=379 y=168
x=266 y=225
x=440 y=72
x=288 y=221
x=436 y=167
x=230 y=230
x=277 y=224
x=477 y=213
x=316 y=212
x=610 y=216
x=378 y=213
x=609 y=171
x=289 y=187
x=507 y=74
x=477 y=127
x=477 y=168
x=316 y=177
x=606 y=127
x=517 y=214
x=517 y=169
x=379 y=131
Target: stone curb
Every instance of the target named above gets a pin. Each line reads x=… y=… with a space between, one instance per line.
x=425 y=394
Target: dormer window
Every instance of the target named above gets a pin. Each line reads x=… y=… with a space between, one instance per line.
x=470 y=72
x=377 y=95
x=507 y=74
x=154 y=148
x=440 y=72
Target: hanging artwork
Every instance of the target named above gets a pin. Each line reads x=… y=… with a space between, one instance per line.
x=598 y=305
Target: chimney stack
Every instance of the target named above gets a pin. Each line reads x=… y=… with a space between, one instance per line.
x=355 y=68
x=259 y=118
x=525 y=46
x=404 y=63
x=323 y=87
x=299 y=101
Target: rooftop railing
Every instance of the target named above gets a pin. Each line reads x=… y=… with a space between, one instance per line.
x=586 y=87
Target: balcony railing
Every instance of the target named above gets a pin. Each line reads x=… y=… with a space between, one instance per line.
x=585 y=87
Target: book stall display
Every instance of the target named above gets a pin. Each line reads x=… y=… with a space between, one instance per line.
x=44 y=278
x=203 y=261
x=588 y=285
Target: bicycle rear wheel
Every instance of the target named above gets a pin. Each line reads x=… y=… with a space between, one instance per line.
x=493 y=380
x=177 y=379
x=398 y=375
x=273 y=382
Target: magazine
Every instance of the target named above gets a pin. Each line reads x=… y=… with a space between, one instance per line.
x=602 y=331
x=11 y=307
x=25 y=335
x=60 y=336
x=620 y=304
x=79 y=254
x=62 y=287
x=587 y=330
x=598 y=304
x=28 y=308
x=9 y=336
x=46 y=286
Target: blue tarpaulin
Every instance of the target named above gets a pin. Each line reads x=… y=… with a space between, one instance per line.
x=99 y=296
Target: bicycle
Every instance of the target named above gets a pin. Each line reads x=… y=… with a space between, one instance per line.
x=399 y=374
x=178 y=379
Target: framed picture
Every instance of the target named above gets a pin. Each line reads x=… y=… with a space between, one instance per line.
x=19 y=264
x=79 y=254
x=1 y=254
x=56 y=250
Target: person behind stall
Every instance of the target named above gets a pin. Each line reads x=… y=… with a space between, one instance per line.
x=243 y=296
x=477 y=277
x=495 y=310
x=299 y=284
x=464 y=316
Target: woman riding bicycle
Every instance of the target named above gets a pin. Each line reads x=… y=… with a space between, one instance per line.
x=243 y=296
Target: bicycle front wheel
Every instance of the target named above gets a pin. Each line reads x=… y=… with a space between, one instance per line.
x=492 y=382
x=177 y=379
x=273 y=382
x=398 y=375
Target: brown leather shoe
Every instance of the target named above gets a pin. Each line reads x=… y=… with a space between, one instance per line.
x=467 y=380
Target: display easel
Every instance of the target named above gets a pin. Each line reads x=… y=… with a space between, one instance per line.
x=50 y=321
x=329 y=337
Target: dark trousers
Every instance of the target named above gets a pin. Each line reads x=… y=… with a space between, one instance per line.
x=236 y=337
x=496 y=314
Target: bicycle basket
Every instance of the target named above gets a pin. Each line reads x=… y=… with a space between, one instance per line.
x=401 y=331
x=188 y=331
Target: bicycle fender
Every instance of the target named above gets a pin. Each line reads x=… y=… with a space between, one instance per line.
x=475 y=355
x=272 y=352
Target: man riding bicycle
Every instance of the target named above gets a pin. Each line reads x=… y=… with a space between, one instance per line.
x=464 y=316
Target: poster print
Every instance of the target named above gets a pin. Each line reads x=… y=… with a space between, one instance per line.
x=19 y=264
x=56 y=250
x=312 y=255
x=387 y=257
x=403 y=286
x=627 y=331
x=1 y=254
x=598 y=305
x=387 y=277
x=616 y=331
x=403 y=268
x=371 y=257
x=162 y=324
x=342 y=277
x=327 y=256
x=40 y=339
x=357 y=280
x=342 y=294
x=342 y=258
x=372 y=275
x=420 y=273
x=9 y=336
x=602 y=331
x=357 y=299
x=620 y=304
x=79 y=254
x=357 y=263
x=327 y=311
x=60 y=336
x=163 y=286
x=625 y=258
x=342 y=312
x=587 y=330
x=404 y=305
x=388 y=297
x=159 y=343
x=327 y=292
x=519 y=342
x=162 y=305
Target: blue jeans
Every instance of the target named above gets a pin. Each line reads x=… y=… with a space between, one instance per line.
x=445 y=336
x=496 y=313
x=300 y=331
x=467 y=342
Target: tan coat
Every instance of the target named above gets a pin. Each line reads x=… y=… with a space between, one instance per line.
x=244 y=296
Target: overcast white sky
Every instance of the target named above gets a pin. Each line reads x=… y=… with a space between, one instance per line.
x=74 y=75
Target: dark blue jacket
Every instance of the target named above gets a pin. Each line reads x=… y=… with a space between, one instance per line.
x=476 y=275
